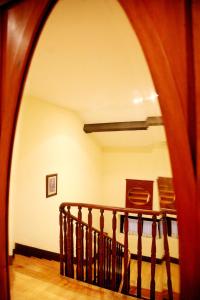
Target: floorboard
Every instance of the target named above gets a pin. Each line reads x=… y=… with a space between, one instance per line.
x=39 y=279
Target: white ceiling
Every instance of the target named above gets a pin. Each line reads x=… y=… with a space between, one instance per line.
x=88 y=59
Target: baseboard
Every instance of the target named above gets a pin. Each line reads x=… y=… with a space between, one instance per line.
x=173 y=260
x=36 y=252
x=10 y=259
x=147 y=258
x=40 y=253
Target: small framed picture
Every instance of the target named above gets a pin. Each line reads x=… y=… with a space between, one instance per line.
x=51 y=185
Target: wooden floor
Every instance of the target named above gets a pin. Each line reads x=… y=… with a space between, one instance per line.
x=160 y=279
x=38 y=279
x=33 y=278
x=160 y=276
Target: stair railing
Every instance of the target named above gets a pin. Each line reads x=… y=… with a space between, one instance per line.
x=89 y=254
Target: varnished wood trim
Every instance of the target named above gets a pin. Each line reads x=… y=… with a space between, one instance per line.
x=110 y=208
x=10 y=259
x=174 y=260
x=147 y=258
x=45 y=254
x=122 y=126
x=20 y=26
x=159 y=261
x=36 y=252
x=39 y=253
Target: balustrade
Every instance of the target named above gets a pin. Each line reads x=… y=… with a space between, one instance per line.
x=91 y=255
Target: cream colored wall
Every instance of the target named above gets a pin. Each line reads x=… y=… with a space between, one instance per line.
x=50 y=140
x=147 y=162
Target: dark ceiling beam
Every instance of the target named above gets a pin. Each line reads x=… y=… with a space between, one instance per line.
x=122 y=126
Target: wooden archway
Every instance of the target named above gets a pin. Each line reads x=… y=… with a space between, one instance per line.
x=169 y=34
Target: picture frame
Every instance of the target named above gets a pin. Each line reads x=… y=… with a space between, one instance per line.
x=51 y=185
x=139 y=194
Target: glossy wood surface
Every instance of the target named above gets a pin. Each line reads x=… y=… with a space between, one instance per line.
x=89 y=241
x=153 y=259
x=101 y=249
x=78 y=258
x=20 y=25
x=61 y=244
x=167 y=258
x=126 y=265
x=164 y=30
x=139 y=256
x=196 y=50
x=39 y=279
x=110 y=257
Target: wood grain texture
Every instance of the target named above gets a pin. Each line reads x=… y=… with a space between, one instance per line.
x=101 y=249
x=167 y=258
x=139 y=194
x=166 y=192
x=161 y=28
x=126 y=279
x=37 y=279
x=139 y=256
x=114 y=226
x=153 y=259
x=20 y=25
x=89 y=241
x=196 y=49
x=61 y=244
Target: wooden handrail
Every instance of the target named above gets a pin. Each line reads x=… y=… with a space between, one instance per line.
x=109 y=254
x=118 y=209
x=105 y=253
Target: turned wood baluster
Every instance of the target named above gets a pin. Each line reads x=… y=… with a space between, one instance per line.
x=109 y=261
x=117 y=265
x=101 y=250
x=119 y=271
x=98 y=256
x=139 y=256
x=79 y=248
x=65 y=243
x=95 y=254
x=69 y=244
x=89 y=247
x=61 y=244
x=72 y=247
x=86 y=253
x=126 y=279
x=167 y=258
x=76 y=229
x=82 y=251
x=153 y=259
x=114 y=225
x=106 y=262
x=104 y=259
x=121 y=255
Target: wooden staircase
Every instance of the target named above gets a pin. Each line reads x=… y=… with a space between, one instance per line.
x=90 y=255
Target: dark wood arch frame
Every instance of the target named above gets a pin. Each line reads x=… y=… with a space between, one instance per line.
x=169 y=32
